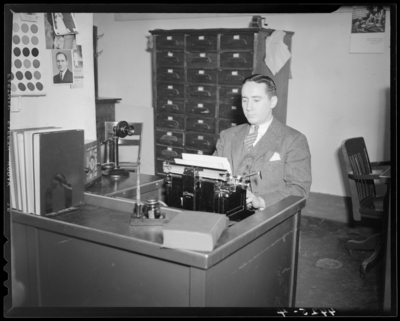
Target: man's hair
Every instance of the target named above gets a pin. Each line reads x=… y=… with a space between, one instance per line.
x=61 y=53
x=260 y=79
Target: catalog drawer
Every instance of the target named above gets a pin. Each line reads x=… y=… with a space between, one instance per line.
x=170 y=90
x=233 y=77
x=236 y=59
x=171 y=121
x=171 y=105
x=228 y=123
x=202 y=76
x=166 y=137
x=171 y=74
x=199 y=151
x=201 y=91
x=167 y=58
x=199 y=107
x=168 y=152
x=230 y=94
x=201 y=42
x=230 y=110
x=201 y=141
x=201 y=60
x=203 y=125
x=169 y=42
x=237 y=41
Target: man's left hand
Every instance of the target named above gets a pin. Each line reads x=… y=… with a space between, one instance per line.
x=253 y=201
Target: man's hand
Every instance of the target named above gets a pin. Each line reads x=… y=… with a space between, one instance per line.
x=253 y=201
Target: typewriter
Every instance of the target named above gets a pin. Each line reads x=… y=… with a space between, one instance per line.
x=206 y=189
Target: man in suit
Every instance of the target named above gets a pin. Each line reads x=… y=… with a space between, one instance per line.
x=278 y=151
x=65 y=76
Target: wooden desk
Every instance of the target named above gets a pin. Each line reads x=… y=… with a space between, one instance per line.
x=389 y=235
x=92 y=257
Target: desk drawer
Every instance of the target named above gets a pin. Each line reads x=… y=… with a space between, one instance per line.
x=170 y=90
x=204 y=125
x=170 y=42
x=201 y=141
x=168 y=152
x=201 y=42
x=201 y=108
x=199 y=151
x=171 y=74
x=233 y=77
x=236 y=59
x=201 y=91
x=170 y=121
x=237 y=41
x=171 y=105
x=201 y=60
x=202 y=76
x=167 y=58
x=172 y=138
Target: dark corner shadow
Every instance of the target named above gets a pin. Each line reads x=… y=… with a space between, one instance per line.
x=345 y=181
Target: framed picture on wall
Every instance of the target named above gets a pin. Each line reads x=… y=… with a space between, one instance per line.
x=62 y=67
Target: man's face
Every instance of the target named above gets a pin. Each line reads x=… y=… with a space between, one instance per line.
x=256 y=104
x=62 y=63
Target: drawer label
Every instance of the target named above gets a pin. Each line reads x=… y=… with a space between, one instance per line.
x=200 y=152
x=202 y=55
x=169 y=102
x=169 y=37
x=236 y=37
x=200 y=88
x=170 y=118
x=234 y=108
x=200 y=121
x=233 y=124
x=170 y=71
x=235 y=55
x=201 y=72
x=201 y=37
x=200 y=137
x=200 y=105
x=169 y=133
x=234 y=73
x=170 y=54
x=235 y=90
x=170 y=87
x=169 y=148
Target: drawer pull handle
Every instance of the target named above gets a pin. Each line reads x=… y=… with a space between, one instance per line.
x=201 y=93
x=170 y=124
x=170 y=60
x=237 y=59
x=170 y=92
x=201 y=142
x=198 y=60
x=169 y=107
x=168 y=138
x=201 y=43
x=234 y=78
x=169 y=43
x=202 y=77
x=235 y=41
x=169 y=153
x=199 y=110
x=199 y=126
x=169 y=76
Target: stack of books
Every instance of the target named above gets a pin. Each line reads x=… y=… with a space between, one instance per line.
x=46 y=169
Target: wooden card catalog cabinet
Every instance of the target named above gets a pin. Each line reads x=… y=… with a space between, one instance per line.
x=197 y=78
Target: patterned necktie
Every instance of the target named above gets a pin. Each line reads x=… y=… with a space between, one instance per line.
x=251 y=138
x=61 y=76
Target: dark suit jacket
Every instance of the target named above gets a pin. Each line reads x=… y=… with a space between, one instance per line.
x=68 y=78
x=291 y=175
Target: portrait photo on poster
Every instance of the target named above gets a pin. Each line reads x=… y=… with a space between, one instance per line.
x=64 y=23
x=62 y=65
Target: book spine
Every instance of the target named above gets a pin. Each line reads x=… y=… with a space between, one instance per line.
x=21 y=155
x=17 y=171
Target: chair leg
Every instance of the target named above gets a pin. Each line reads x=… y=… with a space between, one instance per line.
x=366 y=245
x=372 y=261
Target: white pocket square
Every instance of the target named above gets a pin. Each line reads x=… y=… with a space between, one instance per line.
x=275 y=157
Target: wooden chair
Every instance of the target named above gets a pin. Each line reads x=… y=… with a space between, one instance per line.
x=365 y=201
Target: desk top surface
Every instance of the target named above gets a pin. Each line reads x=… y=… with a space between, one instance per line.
x=112 y=228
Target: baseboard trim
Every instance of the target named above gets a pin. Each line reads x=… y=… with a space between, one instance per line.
x=330 y=207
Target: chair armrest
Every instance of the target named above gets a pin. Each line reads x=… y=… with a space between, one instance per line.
x=365 y=176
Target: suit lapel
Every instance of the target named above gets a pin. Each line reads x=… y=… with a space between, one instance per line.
x=237 y=144
x=267 y=143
